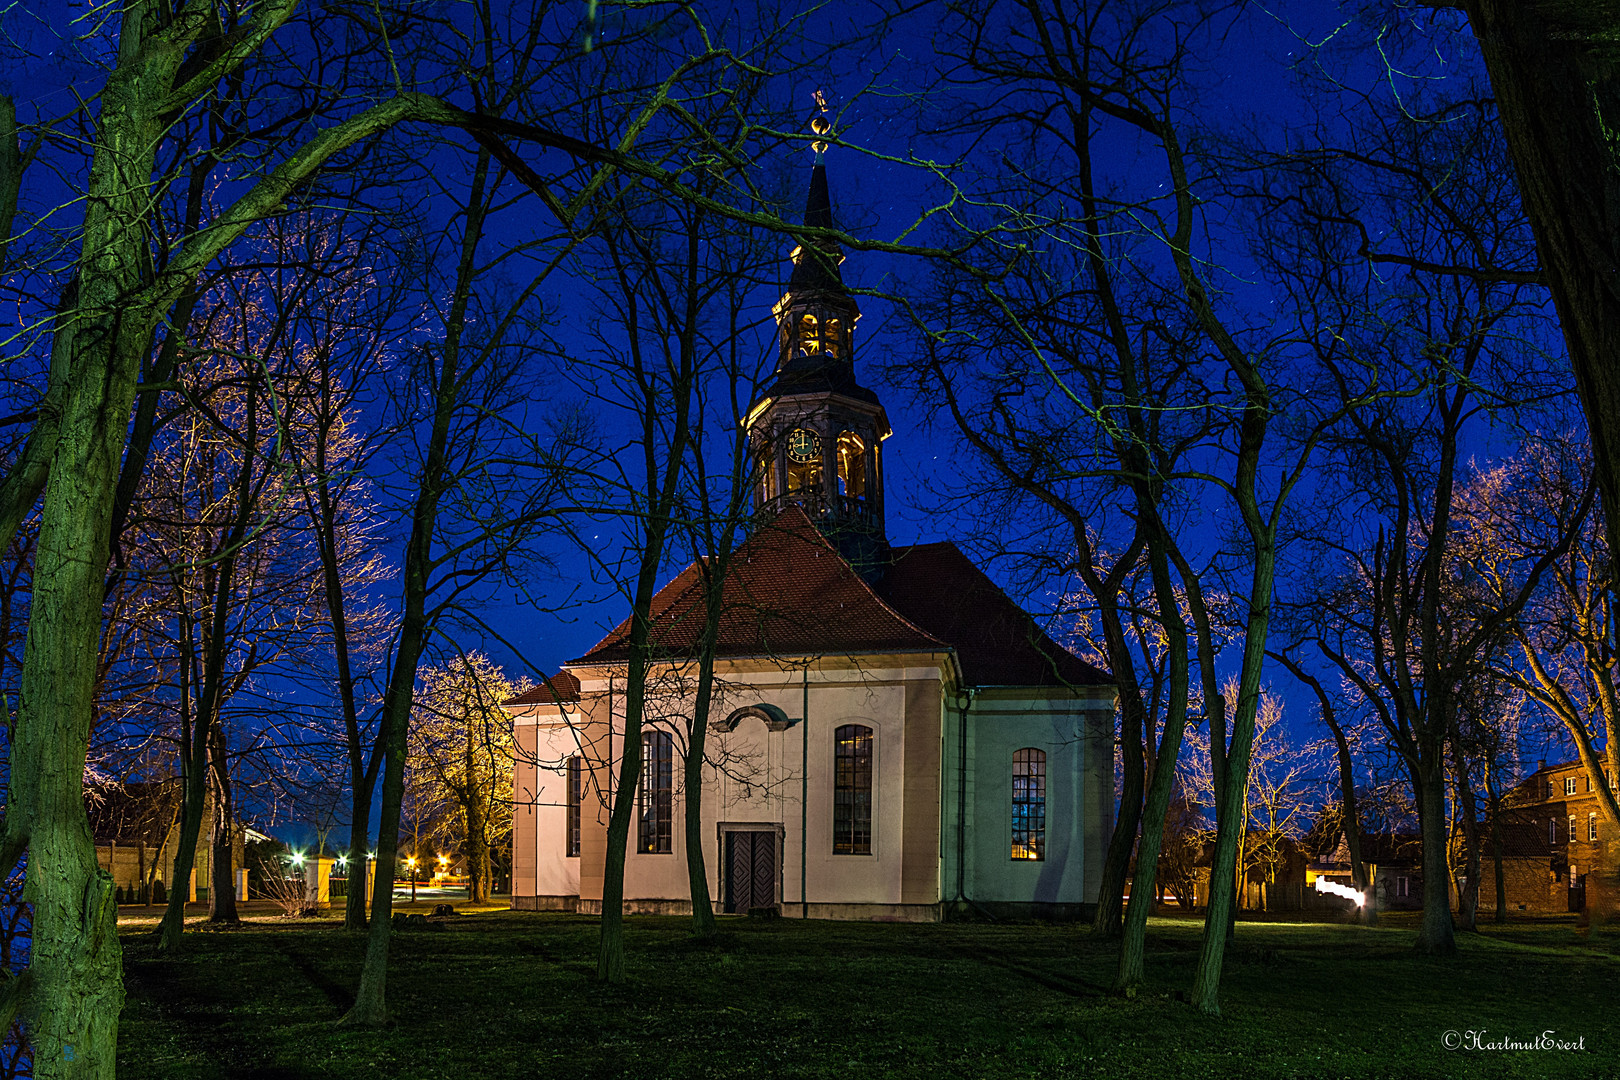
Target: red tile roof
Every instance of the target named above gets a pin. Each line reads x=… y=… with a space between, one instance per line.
x=560 y=687
x=998 y=643
x=788 y=593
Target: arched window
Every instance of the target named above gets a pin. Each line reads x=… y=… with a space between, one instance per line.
x=1029 y=804
x=653 y=834
x=852 y=790
x=1572 y=836
x=809 y=336
x=575 y=796
x=851 y=465
x=832 y=338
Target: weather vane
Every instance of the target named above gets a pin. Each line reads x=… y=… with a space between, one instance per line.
x=820 y=125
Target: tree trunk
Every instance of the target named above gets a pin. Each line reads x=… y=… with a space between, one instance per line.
x=1558 y=93
x=222 y=883
x=1495 y=805
x=1468 y=894
x=697 y=873
x=1232 y=816
x=371 y=1003
x=1133 y=938
x=1109 y=919
x=192 y=804
x=76 y=989
x=1436 y=936
x=354 y=903
x=610 y=947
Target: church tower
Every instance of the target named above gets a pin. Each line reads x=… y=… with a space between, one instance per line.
x=817 y=434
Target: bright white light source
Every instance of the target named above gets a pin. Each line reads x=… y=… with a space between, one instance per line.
x=1324 y=885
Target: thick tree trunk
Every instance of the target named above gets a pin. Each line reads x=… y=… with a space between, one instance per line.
x=221 y=864
x=1436 y=934
x=1558 y=92
x=77 y=986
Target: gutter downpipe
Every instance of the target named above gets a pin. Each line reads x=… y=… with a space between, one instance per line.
x=804 y=796
x=965 y=695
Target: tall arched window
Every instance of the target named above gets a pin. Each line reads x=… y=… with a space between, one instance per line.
x=809 y=336
x=851 y=465
x=832 y=338
x=1029 y=804
x=653 y=836
x=575 y=794
x=852 y=790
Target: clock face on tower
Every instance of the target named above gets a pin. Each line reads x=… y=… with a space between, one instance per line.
x=801 y=445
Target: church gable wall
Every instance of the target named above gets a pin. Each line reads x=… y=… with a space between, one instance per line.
x=1078 y=770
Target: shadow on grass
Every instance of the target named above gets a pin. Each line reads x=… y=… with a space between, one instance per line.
x=509 y=995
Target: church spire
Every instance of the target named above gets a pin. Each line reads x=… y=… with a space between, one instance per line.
x=817 y=433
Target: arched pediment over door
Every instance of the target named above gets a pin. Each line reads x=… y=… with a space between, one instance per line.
x=774 y=718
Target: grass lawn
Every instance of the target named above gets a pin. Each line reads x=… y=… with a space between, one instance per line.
x=508 y=994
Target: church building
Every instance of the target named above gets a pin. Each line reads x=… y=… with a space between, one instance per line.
x=890 y=736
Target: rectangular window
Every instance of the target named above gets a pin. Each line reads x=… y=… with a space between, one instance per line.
x=1549 y=787
x=1569 y=785
x=1029 y=804
x=1588 y=783
x=1552 y=830
x=575 y=795
x=1572 y=828
x=1591 y=826
x=852 y=790
x=653 y=834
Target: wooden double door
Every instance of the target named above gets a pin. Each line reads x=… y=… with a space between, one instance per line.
x=750 y=870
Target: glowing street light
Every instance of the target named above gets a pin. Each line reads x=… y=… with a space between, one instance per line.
x=411 y=862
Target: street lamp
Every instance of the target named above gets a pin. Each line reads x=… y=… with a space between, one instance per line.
x=411 y=862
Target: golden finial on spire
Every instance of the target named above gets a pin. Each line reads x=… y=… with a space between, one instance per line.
x=820 y=125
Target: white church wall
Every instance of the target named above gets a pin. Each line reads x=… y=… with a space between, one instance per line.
x=760 y=783
x=541 y=865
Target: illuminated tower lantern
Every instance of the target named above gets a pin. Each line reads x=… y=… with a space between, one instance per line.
x=816 y=433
